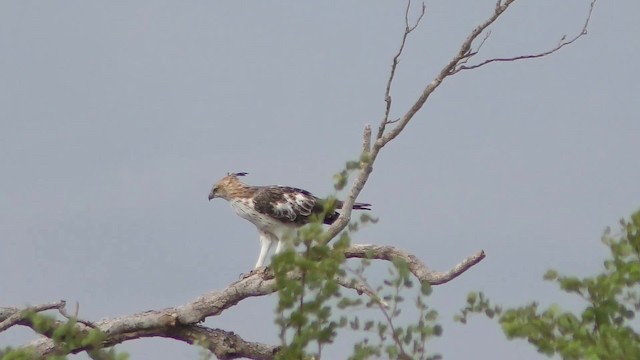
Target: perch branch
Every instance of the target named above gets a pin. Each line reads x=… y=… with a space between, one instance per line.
x=164 y=322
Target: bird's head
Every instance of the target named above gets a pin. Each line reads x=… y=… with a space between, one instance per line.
x=226 y=186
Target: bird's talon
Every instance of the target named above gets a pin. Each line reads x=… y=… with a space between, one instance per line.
x=258 y=270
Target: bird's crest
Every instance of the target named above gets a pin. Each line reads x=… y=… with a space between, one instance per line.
x=229 y=187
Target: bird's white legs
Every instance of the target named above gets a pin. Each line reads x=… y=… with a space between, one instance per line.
x=265 y=244
x=280 y=246
x=284 y=240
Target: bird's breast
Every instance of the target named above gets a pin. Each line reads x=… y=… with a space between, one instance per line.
x=246 y=210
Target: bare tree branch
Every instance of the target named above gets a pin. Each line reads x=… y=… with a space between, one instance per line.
x=223 y=344
x=394 y=64
x=473 y=53
x=64 y=313
x=149 y=323
x=384 y=137
x=447 y=70
x=416 y=266
x=13 y=316
x=562 y=43
x=366 y=139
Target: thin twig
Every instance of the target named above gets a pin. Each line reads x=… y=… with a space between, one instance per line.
x=363 y=175
x=473 y=53
x=362 y=288
x=63 y=312
x=384 y=309
x=394 y=64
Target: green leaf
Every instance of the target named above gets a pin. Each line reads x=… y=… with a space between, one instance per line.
x=551 y=274
x=472 y=298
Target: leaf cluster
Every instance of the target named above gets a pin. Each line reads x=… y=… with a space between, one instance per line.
x=306 y=283
x=603 y=329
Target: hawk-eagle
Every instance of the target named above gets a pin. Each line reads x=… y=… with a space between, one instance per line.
x=274 y=210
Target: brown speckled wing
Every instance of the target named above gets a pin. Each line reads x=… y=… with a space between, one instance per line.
x=286 y=204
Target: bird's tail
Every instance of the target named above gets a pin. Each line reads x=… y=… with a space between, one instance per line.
x=362 y=206
x=331 y=218
x=356 y=206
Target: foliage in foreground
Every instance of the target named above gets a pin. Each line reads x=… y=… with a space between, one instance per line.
x=312 y=307
x=603 y=329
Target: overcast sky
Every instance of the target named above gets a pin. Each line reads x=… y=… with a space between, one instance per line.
x=116 y=117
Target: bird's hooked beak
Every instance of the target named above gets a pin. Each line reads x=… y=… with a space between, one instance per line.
x=212 y=194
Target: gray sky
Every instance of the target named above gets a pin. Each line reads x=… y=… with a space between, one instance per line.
x=116 y=118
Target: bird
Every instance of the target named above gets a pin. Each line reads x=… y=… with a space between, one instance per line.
x=275 y=210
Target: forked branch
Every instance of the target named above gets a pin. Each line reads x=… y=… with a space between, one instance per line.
x=562 y=43
x=384 y=135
